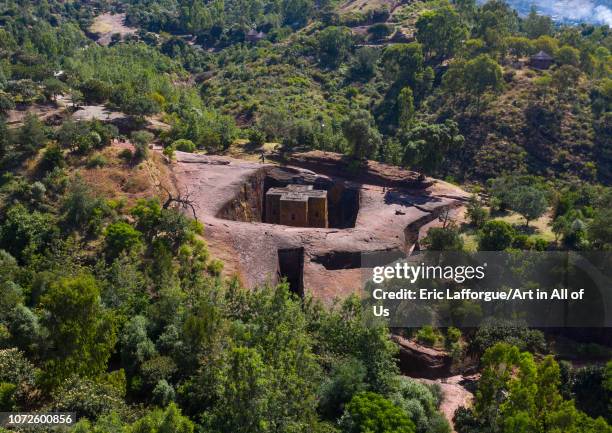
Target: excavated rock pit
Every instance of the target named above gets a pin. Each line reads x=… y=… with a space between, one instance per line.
x=248 y=205
x=382 y=210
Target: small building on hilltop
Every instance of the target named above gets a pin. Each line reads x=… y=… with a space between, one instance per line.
x=255 y=36
x=541 y=60
x=297 y=205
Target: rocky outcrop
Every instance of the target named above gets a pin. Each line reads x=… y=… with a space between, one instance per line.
x=454 y=395
x=416 y=360
x=247 y=204
x=365 y=219
x=374 y=173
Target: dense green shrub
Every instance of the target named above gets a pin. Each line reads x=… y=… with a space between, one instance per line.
x=141 y=140
x=476 y=213
x=97 y=161
x=345 y=380
x=420 y=403
x=82 y=332
x=7 y=399
x=184 y=145
x=427 y=335
x=52 y=157
x=256 y=137
x=496 y=236
x=121 y=237
x=443 y=239
x=89 y=398
x=370 y=412
x=24 y=234
x=492 y=332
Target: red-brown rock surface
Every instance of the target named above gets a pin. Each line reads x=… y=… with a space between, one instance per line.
x=388 y=219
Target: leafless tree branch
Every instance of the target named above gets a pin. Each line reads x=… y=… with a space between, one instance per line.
x=181 y=201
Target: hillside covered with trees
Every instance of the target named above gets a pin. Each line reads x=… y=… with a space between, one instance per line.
x=111 y=305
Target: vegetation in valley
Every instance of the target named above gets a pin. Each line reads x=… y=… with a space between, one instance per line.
x=111 y=305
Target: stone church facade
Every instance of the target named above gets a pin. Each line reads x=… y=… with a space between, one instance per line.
x=297 y=205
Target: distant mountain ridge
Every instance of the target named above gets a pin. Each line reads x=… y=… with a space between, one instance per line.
x=569 y=11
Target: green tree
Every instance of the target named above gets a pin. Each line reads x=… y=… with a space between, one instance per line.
x=361 y=134
x=543 y=85
x=54 y=87
x=68 y=134
x=466 y=9
x=184 y=145
x=547 y=44
x=497 y=330
x=120 y=237
x=76 y=97
x=441 y=31
x=474 y=77
x=443 y=239
x=90 y=397
x=296 y=13
x=565 y=79
x=350 y=331
x=32 y=135
x=530 y=202
x=7 y=396
x=6 y=103
x=516 y=394
x=96 y=91
x=403 y=63
x=141 y=140
x=405 y=105
x=159 y=224
x=136 y=346
x=482 y=74
x=420 y=402
x=600 y=229
x=26 y=234
x=496 y=236
x=52 y=157
x=476 y=213
x=168 y=420
x=588 y=389
x=81 y=209
x=279 y=329
x=607 y=383
x=568 y=56
x=346 y=379
x=499 y=364
x=335 y=44
x=536 y=25
x=427 y=146
x=139 y=105
x=369 y=412
x=244 y=403
x=5 y=141
x=364 y=62
x=82 y=333
x=495 y=21
x=504 y=189
x=379 y=31
x=519 y=46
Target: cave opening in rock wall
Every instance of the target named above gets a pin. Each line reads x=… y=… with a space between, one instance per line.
x=292 y=200
x=291 y=267
x=336 y=260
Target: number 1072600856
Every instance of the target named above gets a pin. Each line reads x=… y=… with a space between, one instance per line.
x=16 y=419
